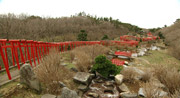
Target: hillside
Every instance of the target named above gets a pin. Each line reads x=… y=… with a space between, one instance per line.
x=61 y=29
x=172 y=38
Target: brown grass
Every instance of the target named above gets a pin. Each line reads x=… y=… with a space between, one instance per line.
x=86 y=54
x=146 y=76
x=129 y=75
x=150 y=90
x=169 y=76
x=172 y=38
x=176 y=94
x=50 y=72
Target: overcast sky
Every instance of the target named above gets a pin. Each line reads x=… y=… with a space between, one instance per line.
x=143 y=13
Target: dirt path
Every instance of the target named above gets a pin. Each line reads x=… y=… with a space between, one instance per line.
x=4 y=78
x=14 y=75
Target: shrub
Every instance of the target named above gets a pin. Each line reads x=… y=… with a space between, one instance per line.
x=50 y=72
x=146 y=76
x=105 y=67
x=82 y=36
x=83 y=62
x=169 y=76
x=86 y=54
x=129 y=75
x=161 y=35
x=150 y=90
x=105 y=37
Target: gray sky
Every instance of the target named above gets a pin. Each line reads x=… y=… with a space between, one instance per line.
x=143 y=13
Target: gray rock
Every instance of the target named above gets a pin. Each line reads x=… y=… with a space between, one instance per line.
x=162 y=93
x=48 y=96
x=159 y=93
x=119 y=79
x=94 y=95
x=153 y=48
x=67 y=93
x=141 y=53
x=64 y=64
x=124 y=88
x=74 y=62
x=111 y=53
x=139 y=74
x=123 y=57
x=128 y=95
x=28 y=77
x=126 y=63
x=109 y=57
x=74 y=69
x=141 y=92
x=134 y=55
x=83 y=77
x=83 y=88
x=61 y=84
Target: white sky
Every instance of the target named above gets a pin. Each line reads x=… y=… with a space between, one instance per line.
x=143 y=13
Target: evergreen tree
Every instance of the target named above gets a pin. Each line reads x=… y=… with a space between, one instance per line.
x=82 y=36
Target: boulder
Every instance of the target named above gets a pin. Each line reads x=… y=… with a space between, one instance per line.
x=111 y=53
x=128 y=95
x=141 y=53
x=134 y=55
x=153 y=48
x=48 y=96
x=61 y=84
x=94 y=95
x=82 y=77
x=83 y=87
x=126 y=63
x=123 y=57
x=141 y=92
x=159 y=93
x=109 y=57
x=64 y=64
x=124 y=88
x=74 y=69
x=28 y=77
x=67 y=93
x=119 y=79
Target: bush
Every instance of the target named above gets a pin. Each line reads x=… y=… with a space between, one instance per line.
x=105 y=67
x=105 y=37
x=150 y=90
x=50 y=72
x=161 y=35
x=169 y=76
x=82 y=36
x=129 y=75
x=86 y=55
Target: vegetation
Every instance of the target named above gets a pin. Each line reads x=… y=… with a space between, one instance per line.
x=50 y=72
x=172 y=38
x=161 y=35
x=62 y=28
x=105 y=67
x=82 y=36
x=105 y=37
x=86 y=55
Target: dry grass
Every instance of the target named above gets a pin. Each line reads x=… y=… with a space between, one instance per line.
x=150 y=90
x=129 y=75
x=169 y=76
x=146 y=76
x=50 y=71
x=176 y=94
x=86 y=54
x=172 y=38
